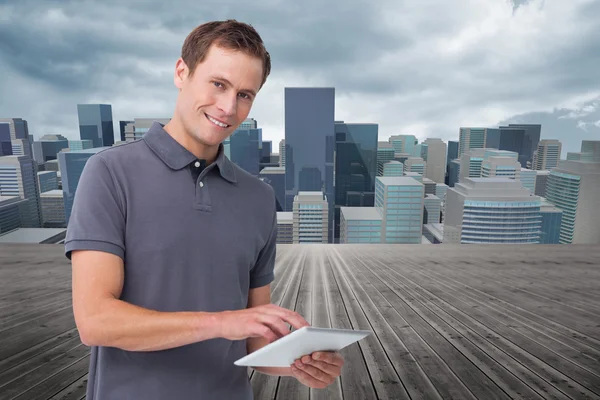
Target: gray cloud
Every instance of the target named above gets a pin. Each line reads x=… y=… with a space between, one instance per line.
x=412 y=67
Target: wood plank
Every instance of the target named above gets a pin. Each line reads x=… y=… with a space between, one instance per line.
x=386 y=381
x=47 y=375
x=320 y=316
x=289 y=387
x=38 y=361
x=541 y=363
x=492 y=363
x=425 y=372
x=30 y=352
x=20 y=308
x=355 y=380
x=75 y=391
x=58 y=381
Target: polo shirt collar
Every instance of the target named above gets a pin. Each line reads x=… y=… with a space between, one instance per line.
x=177 y=157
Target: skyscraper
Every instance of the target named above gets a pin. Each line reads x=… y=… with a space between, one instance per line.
x=551 y=222
x=96 y=124
x=18 y=177
x=48 y=147
x=529 y=144
x=415 y=164
x=393 y=168
x=591 y=149
x=574 y=187
x=355 y=166
x=385 y=153
x=471 y=139
x=400 y=202
x=5 y=140
x=243 y=149
x=491 y=210
x=541 y=182
x=309 y=144
x=310 y=217
x=134 y=130
x=360 y=225
x=547 y=155
x=275 y=176
x=436 y=160
x=71 y=166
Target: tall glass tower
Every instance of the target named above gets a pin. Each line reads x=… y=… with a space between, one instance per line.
x=96 y=124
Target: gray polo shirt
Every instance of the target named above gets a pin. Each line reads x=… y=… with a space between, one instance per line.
x=192 y=238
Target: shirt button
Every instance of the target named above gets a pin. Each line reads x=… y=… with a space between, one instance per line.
x=197 y=164
x=201 y=184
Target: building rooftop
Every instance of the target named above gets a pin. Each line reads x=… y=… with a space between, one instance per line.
x=399 y=181
x=279 y=170
x=93 y=150
x=285 y=216
x=46 y=172
x=52 y=193
x=34 y=235
x=361 y=213
x=448 y=321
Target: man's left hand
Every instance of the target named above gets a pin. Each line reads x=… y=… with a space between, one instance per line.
x=319 y=369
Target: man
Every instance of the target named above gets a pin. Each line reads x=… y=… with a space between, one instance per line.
x=173 y=245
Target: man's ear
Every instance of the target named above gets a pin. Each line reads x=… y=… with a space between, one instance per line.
x=181 y=73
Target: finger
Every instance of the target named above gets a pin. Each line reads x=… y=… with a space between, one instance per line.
x=307 y=379
x=291 y=317
x=265 y=331
x=330 y=357
x=329 y=369
x=276 y=324
x=316 y=373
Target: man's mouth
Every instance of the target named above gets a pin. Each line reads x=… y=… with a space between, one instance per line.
x=216 y=122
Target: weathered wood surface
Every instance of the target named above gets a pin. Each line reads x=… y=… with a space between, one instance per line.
x=478 y=322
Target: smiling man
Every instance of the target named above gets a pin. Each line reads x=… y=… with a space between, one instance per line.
x=173 y=246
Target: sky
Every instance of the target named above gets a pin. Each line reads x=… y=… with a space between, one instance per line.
x=424 y=68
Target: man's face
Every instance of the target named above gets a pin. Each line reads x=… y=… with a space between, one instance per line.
x=218 y=97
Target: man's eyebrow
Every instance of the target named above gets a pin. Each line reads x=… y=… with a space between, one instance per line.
x=220 y=78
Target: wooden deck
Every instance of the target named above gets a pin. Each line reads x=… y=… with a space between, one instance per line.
x=450 y=322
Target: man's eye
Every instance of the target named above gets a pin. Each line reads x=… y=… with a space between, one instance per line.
x=218 y=84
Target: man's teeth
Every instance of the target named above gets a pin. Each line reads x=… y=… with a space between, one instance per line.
x=214 y=121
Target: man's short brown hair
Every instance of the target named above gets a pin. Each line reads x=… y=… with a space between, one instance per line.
x=230 y=34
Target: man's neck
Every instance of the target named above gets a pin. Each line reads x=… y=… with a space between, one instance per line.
x=202 y=152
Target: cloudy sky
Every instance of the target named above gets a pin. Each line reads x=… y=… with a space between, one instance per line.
x=414 y=67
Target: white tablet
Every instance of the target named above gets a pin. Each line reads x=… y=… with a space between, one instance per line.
x=304 y=341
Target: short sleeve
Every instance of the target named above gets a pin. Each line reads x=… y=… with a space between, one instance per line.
x=262 y=273
x=97 y=219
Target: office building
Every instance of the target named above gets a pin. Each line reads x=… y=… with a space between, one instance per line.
x=415 y=175
x=285 y=227
x=415 y=164
x=47 y=181
x=591 y=150
x=249 y=123
x=491 y=210
x=574 y=187
x=547 y=155
x=244 y=151
x=275 y=176
x=551 y=222
x=282 y=153
x=528 y=179
x=470 y=164
x=17 y=127
x=310 y=145
x=471 y=139
x=507 y=167
x=385 y=153
x=71 y=166
x=5 y=140
x=433 y=209
x=265 y=152
x=360 y=225
x=122 y=125
x=436 y=160
x=440 y=191
x=139 y=126
x=53 y=209
x=48 y=147
x=452 y=154
x=393 y=168
x=429 y=186
x=422 y=150
x=10 y=213
x=75 y=145
x=355 y=166
x=453 y=173
x=311 y=220
x=508 y=139
x=404 y=144
x=96 y=124
x=18 y=178
x=528 y=145
x=541 y=182
x=400 y=202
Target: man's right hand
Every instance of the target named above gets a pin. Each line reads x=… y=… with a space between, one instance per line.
x=268 y=321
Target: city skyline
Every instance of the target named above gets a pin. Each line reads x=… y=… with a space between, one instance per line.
x=449 y=77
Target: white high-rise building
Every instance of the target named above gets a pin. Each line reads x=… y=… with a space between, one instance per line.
x=436 y=160
x=547 y=155
x=311 y=221
x=415 y=164
x=491 y=210
x=18 y=178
